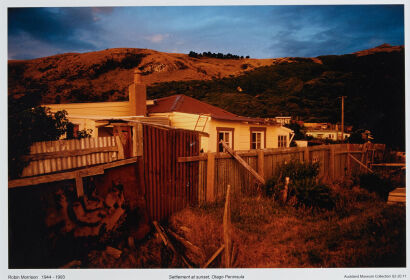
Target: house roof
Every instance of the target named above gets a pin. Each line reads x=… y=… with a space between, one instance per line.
x=185 y=104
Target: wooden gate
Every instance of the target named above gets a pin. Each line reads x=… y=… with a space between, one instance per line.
x=170 y=186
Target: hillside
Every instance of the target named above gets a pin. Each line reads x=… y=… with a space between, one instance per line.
x=308 y=88
x=105 y=75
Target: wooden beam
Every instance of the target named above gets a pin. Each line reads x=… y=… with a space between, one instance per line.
x=332 y=162
x=140 y=140
x=85 y=172
x=120 y=147
x=400 y=164
x=210 y=178
x=359 y=162
x=52 y=155
x=134 y=140
x=213 y=256
x=350 y=152
x=193 y=158
x=79 y=186
x=261 y=163
x=168 y=243
x=306 y=155
x=227 y=228
x=243 y=163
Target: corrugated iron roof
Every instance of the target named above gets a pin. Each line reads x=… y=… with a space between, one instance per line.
x=185 y=104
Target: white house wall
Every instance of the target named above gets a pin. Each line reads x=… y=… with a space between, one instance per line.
x=187 y=121
x=108 y=109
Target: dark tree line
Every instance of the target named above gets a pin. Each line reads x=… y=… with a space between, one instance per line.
x=215 y=55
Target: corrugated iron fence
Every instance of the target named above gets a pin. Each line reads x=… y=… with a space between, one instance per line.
x=53 y=156
x=170 y=186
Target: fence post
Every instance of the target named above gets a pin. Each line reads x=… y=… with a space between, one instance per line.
x=120 y=147
x=79 y=185
x=306 y=155
x=261 y=163
x=227 y=228
x=210 y=178
x=332 y=163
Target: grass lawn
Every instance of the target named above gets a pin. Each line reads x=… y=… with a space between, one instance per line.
x=360 y=231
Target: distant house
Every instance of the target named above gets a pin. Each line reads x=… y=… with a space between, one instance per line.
x=283 y=120
x=317 y=126
x=327 y=134
x=180 y=111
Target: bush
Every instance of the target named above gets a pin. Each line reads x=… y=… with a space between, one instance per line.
x=376 y=184
x=312 y=194
x=28 y=126
x=302 y=184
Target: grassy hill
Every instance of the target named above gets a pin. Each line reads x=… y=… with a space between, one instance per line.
x=308 y=88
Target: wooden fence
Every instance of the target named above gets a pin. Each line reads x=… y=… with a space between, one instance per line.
x=336 y=162
x=175 y=174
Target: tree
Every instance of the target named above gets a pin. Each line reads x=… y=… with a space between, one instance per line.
x=193 y=54
x=28 y=126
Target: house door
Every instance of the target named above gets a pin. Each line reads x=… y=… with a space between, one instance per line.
x=124 y=132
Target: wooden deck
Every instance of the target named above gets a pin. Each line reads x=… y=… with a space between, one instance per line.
x=397 y=196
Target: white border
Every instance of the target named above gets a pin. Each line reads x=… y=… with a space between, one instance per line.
x=292 y=273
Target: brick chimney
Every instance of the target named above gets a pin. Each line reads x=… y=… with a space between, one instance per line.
x=137 y=93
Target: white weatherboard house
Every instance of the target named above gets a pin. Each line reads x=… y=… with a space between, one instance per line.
x=240 y=133
x=180 y=111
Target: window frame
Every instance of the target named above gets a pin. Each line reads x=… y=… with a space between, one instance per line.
x=284 y=140
x=257 y=129
x=225 y=129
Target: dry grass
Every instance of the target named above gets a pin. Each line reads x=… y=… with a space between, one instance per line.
x=361 y=231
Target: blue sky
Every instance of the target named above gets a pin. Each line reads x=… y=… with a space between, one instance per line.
x=257 y=31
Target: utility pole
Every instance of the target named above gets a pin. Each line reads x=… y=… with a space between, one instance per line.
x=343 y=114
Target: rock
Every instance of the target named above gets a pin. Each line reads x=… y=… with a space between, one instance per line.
x=113 y=252
x=111 y=220
x=88 y=218
x=86 y=231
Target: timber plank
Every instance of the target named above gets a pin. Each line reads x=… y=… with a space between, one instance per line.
x=243 y=163
x=62 y=154
x=91 y=171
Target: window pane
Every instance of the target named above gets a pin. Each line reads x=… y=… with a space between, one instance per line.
x=258 y=137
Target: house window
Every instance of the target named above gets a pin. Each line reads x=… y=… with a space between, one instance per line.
x=282 y=141
x=226 y=134
x=258 y=137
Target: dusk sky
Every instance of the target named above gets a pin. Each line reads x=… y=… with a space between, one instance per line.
x=257 y=31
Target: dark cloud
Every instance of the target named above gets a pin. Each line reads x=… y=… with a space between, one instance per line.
x=258 y=31
x=320 y=30
x=58 y=27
